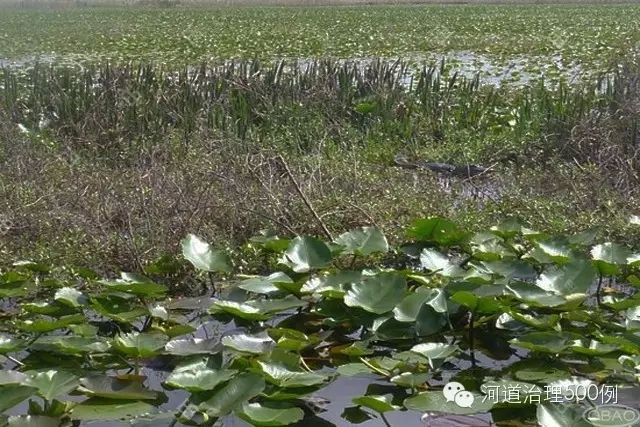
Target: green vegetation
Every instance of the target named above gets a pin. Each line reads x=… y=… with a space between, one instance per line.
x=588 y=36
x=262 y=129
x=499 y=292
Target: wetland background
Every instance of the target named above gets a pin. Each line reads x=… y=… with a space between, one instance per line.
x=123 y=130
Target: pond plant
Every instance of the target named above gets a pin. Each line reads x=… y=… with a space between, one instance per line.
x=507 y=308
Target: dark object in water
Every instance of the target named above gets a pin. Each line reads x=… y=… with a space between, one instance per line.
x=461 y=171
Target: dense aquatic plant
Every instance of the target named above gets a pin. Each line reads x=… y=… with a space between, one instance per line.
x=554 y=311
x=105 y=109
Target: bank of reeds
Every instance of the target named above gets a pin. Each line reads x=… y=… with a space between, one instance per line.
x=106 y=109
x=112 y=165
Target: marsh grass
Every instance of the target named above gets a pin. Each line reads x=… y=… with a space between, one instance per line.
x=58 y=4
x=134 y=157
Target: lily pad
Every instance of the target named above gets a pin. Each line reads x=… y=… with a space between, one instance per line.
x=203 y=256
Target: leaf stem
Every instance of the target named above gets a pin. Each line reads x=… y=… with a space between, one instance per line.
x=370 y=366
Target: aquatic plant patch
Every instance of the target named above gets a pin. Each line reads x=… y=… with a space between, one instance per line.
x=524 y=38
x=556 y=312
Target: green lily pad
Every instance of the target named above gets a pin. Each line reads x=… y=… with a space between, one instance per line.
x=233 y=394
x=140 y=345
x=363 y=241
x=284 y=377
x=200 y=379
x=269 y=414
x=14 y=394
x=136 y=284
x=115 y=388
x=117 y=308
x=378 y=294
x=190 y=346
x=97 y=409
x=44 y=325
x=575 y=277
x=265 y=285
x=379 y=404
x=436 y=262
x=53 y=383
x=256 y=344
x=436 y=230
x=411 y=380
x=71 y=297
x=609 y=256
x=203 y=256
x=307 y=253
x=32 y=421
x=561 y=415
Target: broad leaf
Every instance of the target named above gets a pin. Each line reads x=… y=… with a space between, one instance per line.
x=269 y=414
x=203 y=256
x=363 y=241
x=307 y=253
x=378 y=294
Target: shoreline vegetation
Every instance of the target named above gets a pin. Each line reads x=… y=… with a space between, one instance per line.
x=66 y=4
x=110 y=166
x=226 y=213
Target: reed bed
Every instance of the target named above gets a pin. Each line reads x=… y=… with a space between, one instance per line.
x=131 y=109
x=127 y=158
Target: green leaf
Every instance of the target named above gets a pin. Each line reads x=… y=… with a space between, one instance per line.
x=32 y=421
x=257 y=309
x=11 y=377
x=438 y=263
x=409 y=308
x=480 y=305
x=115 y=388
x=546 y=342
x=307 y=253
x=632 y=318
x=435 y=352
x=363 y=241
x=534 y=295
x=284 y=377
x=203 y=256
x=592 y=347
x=14 y=394
x=97 y=409
x=14 y=289
x=379 y=404
x=573 y=278
x=140 y=345
x=378 y=294
x=136 y=284
x=44 y=325
x=331 y=285
x=195 y=380
x=436 y=230
x=117 y=308
x=354 y=369
x=411 y=380
x=9 y=344
x=52 y=384
x=191 y=346
x=233 y=394
x=255 y=344
x=265 y=285
x=269 y=414
x=71 y=297
x=609 y=256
